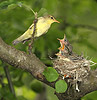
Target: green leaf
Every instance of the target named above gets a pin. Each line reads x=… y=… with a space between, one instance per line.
x=50 y=74
x=61 y=86
x=42 y=12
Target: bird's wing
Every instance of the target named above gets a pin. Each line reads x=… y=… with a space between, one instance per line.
x=26 y=36
x=31 y=26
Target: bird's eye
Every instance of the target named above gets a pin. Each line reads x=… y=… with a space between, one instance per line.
x=52 y=18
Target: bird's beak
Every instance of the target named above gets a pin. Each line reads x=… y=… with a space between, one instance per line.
x=56 y=21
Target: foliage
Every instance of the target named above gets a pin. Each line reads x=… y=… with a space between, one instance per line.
x=61 y=86
x=50 y=74
x=14 y=21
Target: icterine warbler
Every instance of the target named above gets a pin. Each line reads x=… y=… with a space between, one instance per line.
x=42 y=26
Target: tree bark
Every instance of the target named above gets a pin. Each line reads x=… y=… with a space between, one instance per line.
x=33 y=65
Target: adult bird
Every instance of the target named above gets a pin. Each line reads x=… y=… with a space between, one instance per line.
x=42 y=26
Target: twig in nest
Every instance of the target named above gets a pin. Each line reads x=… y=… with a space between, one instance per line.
x=32 y=38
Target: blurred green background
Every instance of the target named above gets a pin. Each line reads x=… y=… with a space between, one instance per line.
x=78 y=20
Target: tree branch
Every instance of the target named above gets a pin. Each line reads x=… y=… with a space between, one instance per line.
x=20 y=59
x=33 y=65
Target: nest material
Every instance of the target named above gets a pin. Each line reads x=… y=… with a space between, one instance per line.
x=71 y=65
x=77 y=70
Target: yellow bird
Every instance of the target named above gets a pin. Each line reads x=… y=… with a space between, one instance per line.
x=42 y=26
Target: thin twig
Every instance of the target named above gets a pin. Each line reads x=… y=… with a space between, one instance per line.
x=2 y=84
x=85 y=26
x=1 y=80
x=33 y=34
x=9 y=80
x=82 y=26
x=29 y=9
x=34 y=31
x=25 y=6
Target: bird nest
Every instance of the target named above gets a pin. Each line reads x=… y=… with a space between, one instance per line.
x=75 y=68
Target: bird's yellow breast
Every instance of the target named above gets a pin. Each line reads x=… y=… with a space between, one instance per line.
x=42 y=27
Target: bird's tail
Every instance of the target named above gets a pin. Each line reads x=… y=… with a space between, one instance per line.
x=22 y=38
